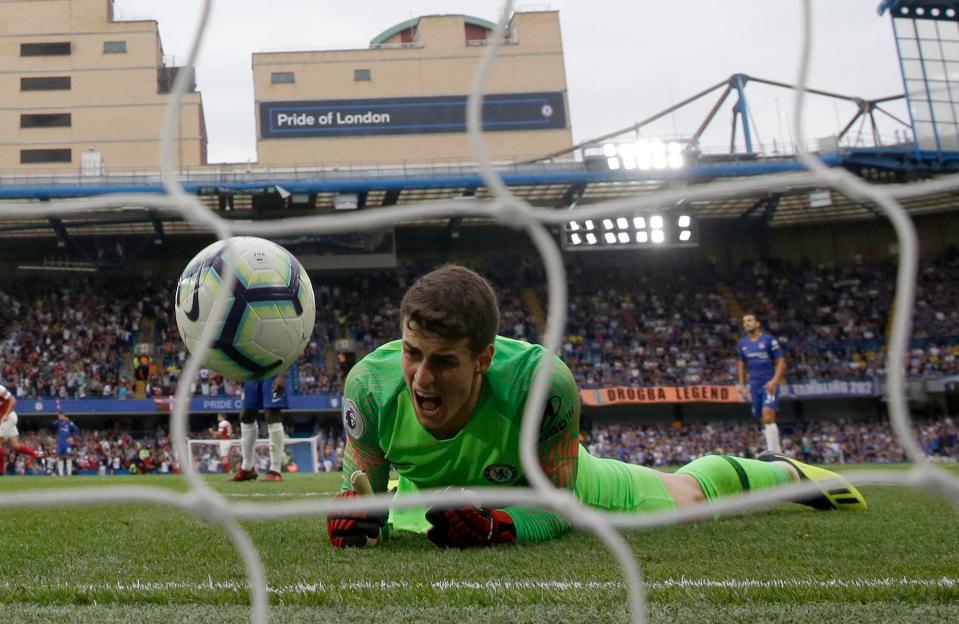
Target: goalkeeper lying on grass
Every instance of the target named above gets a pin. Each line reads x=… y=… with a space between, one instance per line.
x=444 y=406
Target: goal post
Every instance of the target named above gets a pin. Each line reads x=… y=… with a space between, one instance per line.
x=206 y=455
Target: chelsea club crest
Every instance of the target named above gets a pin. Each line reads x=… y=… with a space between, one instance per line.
x=500 y=474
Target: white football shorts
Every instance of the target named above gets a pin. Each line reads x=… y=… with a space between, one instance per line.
x=8 y=427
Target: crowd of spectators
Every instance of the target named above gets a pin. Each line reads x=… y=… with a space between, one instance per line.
x=659 y=444
x=97 y=452
x=68 y=340
x=668 y=321
x=647 y=326
x=821 y=442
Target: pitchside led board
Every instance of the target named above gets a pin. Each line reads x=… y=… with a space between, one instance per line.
x=409 y=115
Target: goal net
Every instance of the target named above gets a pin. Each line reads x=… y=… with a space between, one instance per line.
x=505 y=209
x=212 y=456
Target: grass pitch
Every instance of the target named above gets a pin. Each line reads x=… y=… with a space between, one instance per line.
x=117 y=563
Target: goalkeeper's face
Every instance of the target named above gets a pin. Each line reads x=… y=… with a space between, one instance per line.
x=444 y=379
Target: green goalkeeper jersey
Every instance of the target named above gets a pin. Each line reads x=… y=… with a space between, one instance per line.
x=382 y=430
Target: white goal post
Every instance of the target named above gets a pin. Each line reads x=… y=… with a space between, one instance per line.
x=206 y=454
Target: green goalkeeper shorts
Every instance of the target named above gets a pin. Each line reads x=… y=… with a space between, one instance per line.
x=613 y=485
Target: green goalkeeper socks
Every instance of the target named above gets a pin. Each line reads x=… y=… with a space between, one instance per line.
x=537 y=525
x=722 y=475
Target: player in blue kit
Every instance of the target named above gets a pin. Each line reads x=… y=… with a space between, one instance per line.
x=269 y=395
x=66 y=431
x=761 y=355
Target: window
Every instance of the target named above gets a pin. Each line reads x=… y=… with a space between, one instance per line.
x=282 y=78
x=52 y=120
x=60 y=48
x=52 y=83
x=29 y=156
x=114 y=47
x=361 y=74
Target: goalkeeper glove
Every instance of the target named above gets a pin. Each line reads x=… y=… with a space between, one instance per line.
x=470 y=526
x=357 y=528
x=354 y=528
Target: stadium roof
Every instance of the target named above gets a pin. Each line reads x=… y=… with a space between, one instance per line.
x=557 y=185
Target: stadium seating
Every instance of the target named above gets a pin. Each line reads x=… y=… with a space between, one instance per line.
x=632 y=326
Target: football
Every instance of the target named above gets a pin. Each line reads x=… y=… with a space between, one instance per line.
x=264 y=323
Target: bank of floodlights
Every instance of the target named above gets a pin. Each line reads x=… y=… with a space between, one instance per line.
x=933 y=12
x=650 y=230
x=645 y=155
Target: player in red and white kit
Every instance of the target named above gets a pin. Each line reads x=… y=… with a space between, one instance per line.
x=224 y=431
x=8 y=430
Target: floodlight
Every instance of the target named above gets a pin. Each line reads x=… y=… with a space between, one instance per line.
x=610 y=238
x=659 y=160
x=623 y=237
x=591 y=238
x=674 y=147
x=644 y=161
x=684 y=235
x=675 y=161
x=613 y=163
x=622 y=223
x=589 y=224
x=658 y=236
x=609 y=150
x=639 y=223
x=642 y=237
x=683 y=221
x=575 y=239
x=574 y=227
x=656 y=222
x=607 y=224
x=629 y=161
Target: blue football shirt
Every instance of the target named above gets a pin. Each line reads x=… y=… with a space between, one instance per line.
x=760 y=357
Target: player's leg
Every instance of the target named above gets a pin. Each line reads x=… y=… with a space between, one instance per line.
x=13 y=435
x=20 y=447
x=64 y=461
x=274 y=426
x=722 y=475
x=248 y=432
x=225 y=455
x=770 y=405
x=273 y=404
x=618 y=486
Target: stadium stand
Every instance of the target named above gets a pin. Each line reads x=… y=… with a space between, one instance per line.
x=626 y=326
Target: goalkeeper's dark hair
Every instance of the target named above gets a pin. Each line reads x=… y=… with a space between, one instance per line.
x=754 y=315
x=454 y=303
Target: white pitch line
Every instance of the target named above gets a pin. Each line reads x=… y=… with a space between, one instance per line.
x=306 y=588
x=281 y=494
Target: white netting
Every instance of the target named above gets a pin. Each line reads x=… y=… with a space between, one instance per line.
x=508 y=210
x=206 y=455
